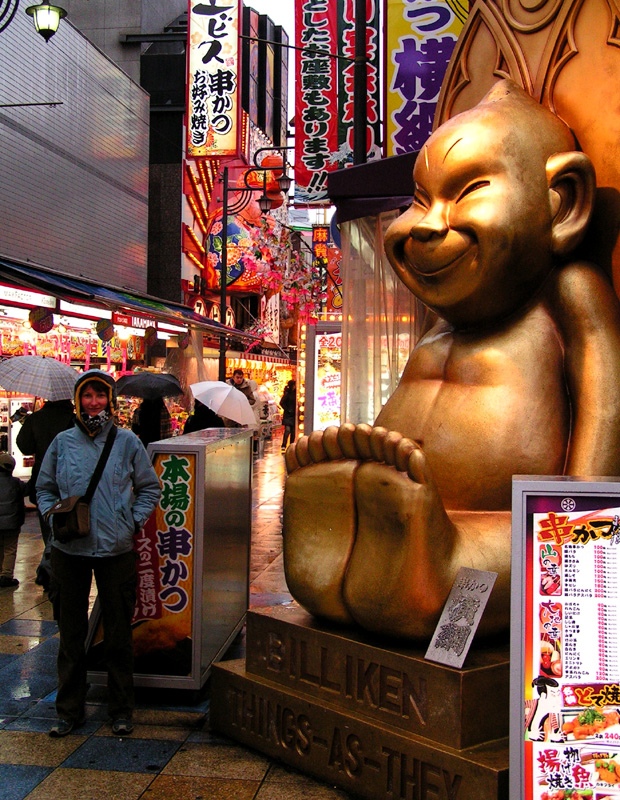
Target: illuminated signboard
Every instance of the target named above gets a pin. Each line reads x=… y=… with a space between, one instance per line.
x=213 y=99
x=10 y=294
x=165 y=549
x=327 y=381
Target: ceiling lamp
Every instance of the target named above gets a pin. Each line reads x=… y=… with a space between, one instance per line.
x=46 y=18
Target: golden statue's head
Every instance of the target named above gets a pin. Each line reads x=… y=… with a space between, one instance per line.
x=501 y=197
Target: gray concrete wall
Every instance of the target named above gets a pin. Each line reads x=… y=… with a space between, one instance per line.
x=73 y=177
x=104 y=21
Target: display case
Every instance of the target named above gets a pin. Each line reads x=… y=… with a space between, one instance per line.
x=193 y=561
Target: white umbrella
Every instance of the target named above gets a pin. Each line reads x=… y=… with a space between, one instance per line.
x=225 y=400
x=38 y=376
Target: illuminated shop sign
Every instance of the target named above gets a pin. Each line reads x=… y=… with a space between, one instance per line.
x=10 y=294
x=213 y=94
x=133 y=321
x=327 y=381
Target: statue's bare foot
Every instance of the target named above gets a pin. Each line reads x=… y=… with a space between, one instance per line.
x=319 y=516
x=400 y=571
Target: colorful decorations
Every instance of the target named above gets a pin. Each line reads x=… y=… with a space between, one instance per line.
x=284 y=270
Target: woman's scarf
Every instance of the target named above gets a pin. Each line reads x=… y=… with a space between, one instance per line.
x=94 y=424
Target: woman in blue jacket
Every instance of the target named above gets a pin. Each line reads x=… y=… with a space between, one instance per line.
x=126 y=495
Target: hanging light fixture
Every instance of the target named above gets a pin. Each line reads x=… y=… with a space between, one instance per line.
x=284 y=182
x=46 y=18
x=264 y=203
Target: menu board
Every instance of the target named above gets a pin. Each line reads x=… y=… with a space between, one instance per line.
x=565 y=714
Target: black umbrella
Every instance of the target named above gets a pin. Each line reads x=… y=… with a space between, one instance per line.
x=149 y=385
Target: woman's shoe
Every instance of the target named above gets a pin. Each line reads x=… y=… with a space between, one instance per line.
x=62 y=727
x=4 y=581
x=122 y=727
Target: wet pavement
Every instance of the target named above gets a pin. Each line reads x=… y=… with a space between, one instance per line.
x=172 y=754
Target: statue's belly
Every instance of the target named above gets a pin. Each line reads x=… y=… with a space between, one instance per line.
x=477 y=437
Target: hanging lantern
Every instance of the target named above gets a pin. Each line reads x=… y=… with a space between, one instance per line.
x=46 y=18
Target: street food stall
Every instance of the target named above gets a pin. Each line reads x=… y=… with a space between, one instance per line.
x=193 y=561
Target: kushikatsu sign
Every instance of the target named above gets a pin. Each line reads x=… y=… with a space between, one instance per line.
x=165 y=555
x=565 y=698
x=213 y=98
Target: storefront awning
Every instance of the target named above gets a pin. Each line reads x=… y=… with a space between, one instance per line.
x=368 y=189
x=80 y=289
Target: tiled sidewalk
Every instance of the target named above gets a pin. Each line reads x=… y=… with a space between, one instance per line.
x=171 y=755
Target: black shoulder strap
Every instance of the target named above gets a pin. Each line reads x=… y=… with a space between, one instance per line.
x=100 y=464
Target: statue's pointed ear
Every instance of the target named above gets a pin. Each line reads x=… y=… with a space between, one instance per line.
x=572 y=186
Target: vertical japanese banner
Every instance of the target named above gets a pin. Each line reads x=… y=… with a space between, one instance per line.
x=420 y=38
x=346 y=35
x=316 y=98
x=571 y=686
x=333 y=303
x=165 y=550
x=213 y=96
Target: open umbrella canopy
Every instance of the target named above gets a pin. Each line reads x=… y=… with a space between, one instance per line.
x=38 y=376
x=225 y=400
x=149 y=385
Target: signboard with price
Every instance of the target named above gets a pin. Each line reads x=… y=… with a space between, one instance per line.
x=565 y=694
x=328 y=357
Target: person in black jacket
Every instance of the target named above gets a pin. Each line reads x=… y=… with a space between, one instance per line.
x=288 y=404
x=202 y=418
x=12 y=515
x=38 y=431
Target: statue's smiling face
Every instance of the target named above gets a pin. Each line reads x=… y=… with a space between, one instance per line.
x=476 y=241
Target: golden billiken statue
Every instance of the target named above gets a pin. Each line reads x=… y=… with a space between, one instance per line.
x=519 y=374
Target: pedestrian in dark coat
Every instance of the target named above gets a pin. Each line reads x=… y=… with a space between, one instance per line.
x=12 y=514
x=151 y=421
x=38 y=431
x=202 y=418
x=288 y=403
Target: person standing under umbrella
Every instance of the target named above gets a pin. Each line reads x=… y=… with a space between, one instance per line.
x=38 y=431
x=202 y=418
x=151 y=421
x=239 y=382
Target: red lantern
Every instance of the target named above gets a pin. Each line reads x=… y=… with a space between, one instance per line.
x=273 y=161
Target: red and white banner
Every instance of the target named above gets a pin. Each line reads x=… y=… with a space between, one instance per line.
x=346 y=22
x=316 y=98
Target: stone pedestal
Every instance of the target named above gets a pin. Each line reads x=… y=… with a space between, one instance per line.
x=377 y=721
